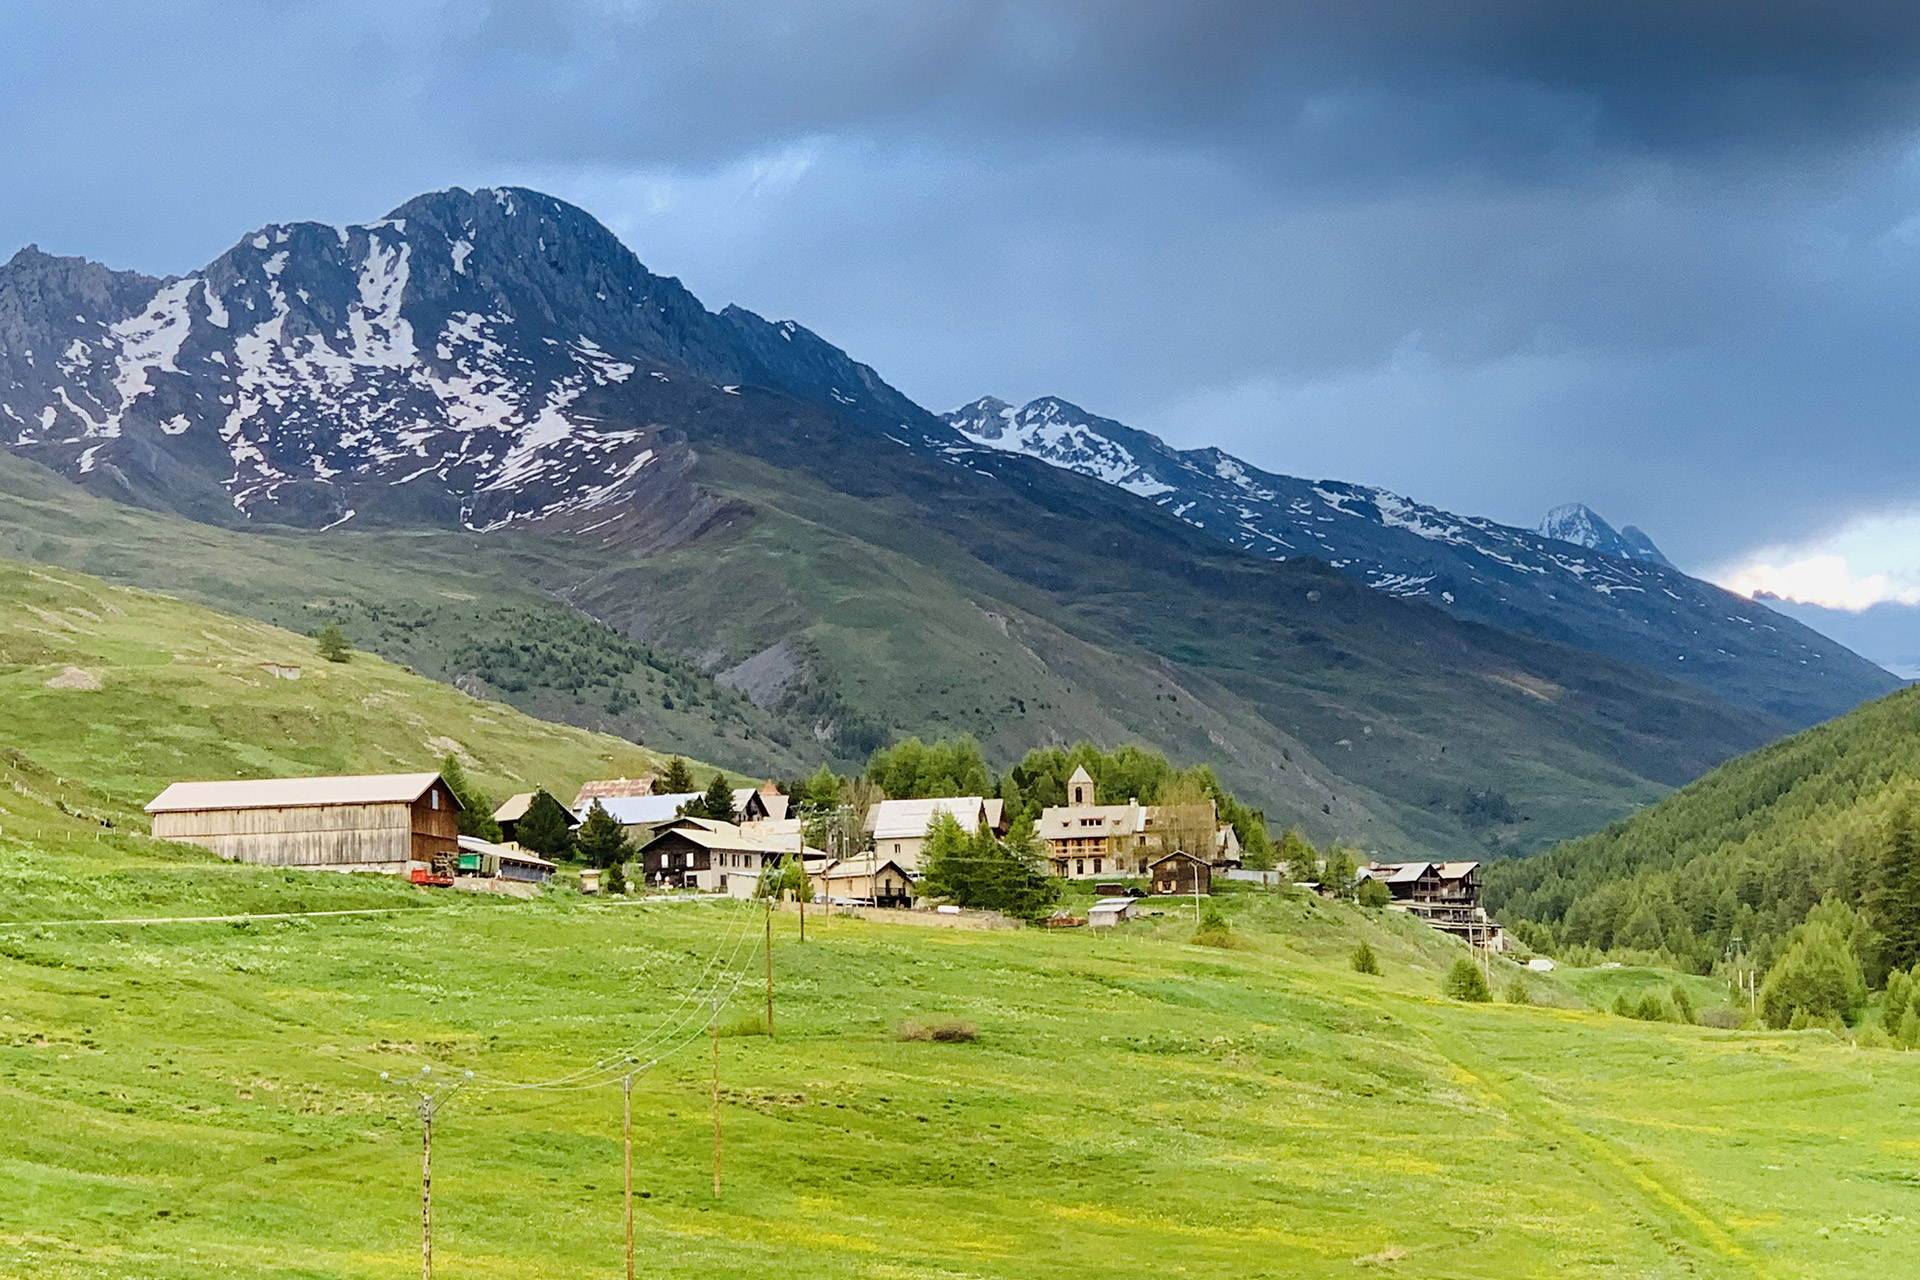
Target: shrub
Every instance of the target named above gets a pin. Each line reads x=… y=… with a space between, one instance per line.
x=1364 y=961
x=1517 y=992
x=1622 y=1007
x=1652 y=1008
x=945 y=1031
x=1683 y=1004
x=1373 y=895
x=745 y=1024
x=1465 y=982
x=1213 y=931
x=1908 y=1037
x=1873 y=1036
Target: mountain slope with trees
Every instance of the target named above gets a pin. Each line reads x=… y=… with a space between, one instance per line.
x=1735 y=861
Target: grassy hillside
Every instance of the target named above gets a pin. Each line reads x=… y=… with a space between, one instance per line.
x=129 y=690
x=181 y=1098
x=1744 y=852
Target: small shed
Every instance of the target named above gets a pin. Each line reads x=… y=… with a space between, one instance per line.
x=1180 y=875
x=368 y=822
x=1109 y=911
x=506 y=861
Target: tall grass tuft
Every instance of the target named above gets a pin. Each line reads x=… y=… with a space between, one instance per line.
x=945 y=1031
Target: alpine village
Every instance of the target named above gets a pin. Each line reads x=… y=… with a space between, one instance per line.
x=512 y=773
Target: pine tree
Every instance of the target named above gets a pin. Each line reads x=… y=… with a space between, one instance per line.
x=602 y=841
x=617 y=877
x=334 y=646
x=1897 y=897
x=678 y=779
x=1899 y=999
x=718 y=801
x=545 y=828
x=1466 y=982
x=1364 y=961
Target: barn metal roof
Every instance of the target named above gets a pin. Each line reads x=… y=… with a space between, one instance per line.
x=294 y=793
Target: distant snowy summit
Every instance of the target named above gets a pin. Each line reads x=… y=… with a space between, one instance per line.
x=1580 y=524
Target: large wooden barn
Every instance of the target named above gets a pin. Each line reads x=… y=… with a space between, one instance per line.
x=377 y=822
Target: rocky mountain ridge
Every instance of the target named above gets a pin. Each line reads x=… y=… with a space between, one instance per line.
x=1613 y=595
x=497 y=359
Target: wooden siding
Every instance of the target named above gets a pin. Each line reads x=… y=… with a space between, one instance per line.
x=436 y=824
x=306 y=836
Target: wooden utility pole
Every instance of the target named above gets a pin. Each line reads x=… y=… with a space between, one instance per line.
x=428 y=1092
x=800 y=894
x=626 y=1140
x=769 y=947
x=426 y=1189
x=716 y=1097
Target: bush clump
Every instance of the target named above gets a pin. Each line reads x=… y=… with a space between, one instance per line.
x=1817 y=979
x=945 y=1031
x=1364 y=961
x=1465 y=982
x=1373 y=895
x=1518 y=992
x=1214 y=930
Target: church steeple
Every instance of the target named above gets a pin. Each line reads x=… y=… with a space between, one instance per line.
x=1080 y=789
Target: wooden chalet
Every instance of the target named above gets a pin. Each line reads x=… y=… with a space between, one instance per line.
x=716 y=857
x=1180 y=874
x=1444 y=894
x=376 y=822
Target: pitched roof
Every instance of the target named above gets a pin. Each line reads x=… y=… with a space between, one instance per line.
x=295 y=793
x=640 y=811
x=908 y=819
x=1457 y=870
x=859 y=868
x=514 y=807
x=709 y=834
x=1090 y=821
x=607 y=788
x=1080 y=774
x=1407 y=872
x=774 y=801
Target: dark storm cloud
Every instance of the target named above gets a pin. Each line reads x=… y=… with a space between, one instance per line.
x=1662 y=257
x=1357 y=84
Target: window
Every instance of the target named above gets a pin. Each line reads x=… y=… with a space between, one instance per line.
x=1079 y=866
x=433 y=798
x=1096 y=866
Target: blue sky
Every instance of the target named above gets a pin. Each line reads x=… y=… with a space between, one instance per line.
x=1663 y=258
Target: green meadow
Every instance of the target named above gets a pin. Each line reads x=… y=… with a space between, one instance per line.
x=187 y=1097
x=204 y=1099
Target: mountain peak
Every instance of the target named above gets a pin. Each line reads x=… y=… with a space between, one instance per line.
x=1580 y=524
